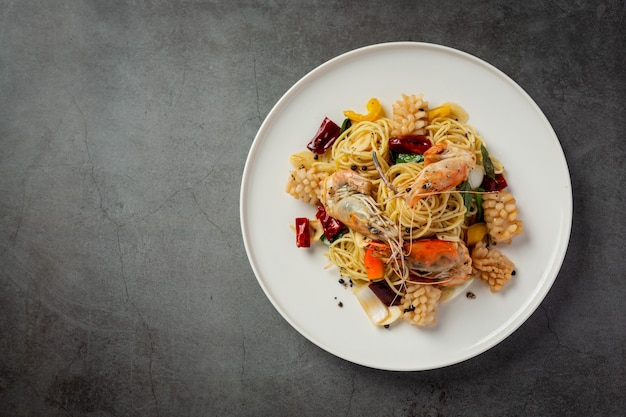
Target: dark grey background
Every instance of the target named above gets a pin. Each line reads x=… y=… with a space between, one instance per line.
x=124 y=284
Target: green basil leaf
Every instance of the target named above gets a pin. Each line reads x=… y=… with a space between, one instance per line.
x=487 y=164
x=479 y=204
x=345 y=125
x=327 y=242
x=465 y=189
x=393 y=156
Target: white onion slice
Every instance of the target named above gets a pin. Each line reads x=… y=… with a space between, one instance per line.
x=373 y=307
x=394 y=314
x=475 y=176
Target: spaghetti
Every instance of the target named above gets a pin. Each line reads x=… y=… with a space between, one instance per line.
x=424 y=240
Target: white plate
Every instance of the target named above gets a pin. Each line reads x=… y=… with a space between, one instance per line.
x=515 y=130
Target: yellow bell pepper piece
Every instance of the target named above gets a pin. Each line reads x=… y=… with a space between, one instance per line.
x=457 y=112
x=374 y=111
x=476 y=233
x=441 y=111
x=303 y=159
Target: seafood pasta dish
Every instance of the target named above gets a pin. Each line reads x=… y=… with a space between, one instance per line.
x=410 y=206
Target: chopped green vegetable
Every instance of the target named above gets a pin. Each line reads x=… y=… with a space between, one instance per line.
x=327 y=242
x=487 y=164
x=345 y=125
x=472 y=196
x=479 y=203
x=466 y=189
x=409 y=157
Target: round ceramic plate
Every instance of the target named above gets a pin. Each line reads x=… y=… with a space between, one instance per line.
x=310 y=297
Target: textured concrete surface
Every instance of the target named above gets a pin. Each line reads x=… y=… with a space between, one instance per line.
x=124 y=285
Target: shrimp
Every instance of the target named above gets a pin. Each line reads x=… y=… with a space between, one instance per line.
x=346 y=198
x=445 y=167
x=432 y=261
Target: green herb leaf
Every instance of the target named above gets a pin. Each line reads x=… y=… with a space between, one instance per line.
x=487 y=164
x=409 y=157
x=479 y=204
x=345 y=126
x=465 y=187
x=327 y=242
x=393 y=156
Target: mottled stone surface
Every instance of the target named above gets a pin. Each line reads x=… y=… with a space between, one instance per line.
x=124 y=285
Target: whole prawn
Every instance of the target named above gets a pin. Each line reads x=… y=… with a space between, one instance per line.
x=445 y=167
x=432 y=261
x=346 y=196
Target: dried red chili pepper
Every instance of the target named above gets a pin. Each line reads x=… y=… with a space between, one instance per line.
x=332 y=227
x=410 y=144
x=326 y=135
x=303 y=233
x=498 y=183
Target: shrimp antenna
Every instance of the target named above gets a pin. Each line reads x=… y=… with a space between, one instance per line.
x=381 y=174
